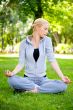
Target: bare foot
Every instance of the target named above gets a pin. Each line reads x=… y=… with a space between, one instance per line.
x=35 y=90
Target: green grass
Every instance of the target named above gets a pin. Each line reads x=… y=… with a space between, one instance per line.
x=29 y=101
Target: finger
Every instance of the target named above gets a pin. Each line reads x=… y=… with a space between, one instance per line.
x=7 y=71
x=68 y=82
x=7 y=74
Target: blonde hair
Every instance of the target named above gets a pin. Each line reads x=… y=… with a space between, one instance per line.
x=39 y=22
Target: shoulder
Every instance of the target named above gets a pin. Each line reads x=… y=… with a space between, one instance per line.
x=48 y=39
x=23 y=43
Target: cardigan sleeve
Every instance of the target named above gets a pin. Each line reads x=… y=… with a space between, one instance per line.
x=49 y=50
x=22 y=53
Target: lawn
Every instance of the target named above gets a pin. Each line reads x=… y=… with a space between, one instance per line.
x=28 y=101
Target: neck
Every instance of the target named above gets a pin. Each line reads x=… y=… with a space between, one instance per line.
x=35 y=40
x=35 y=37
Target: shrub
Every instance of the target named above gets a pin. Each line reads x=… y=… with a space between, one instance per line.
x=64 y=48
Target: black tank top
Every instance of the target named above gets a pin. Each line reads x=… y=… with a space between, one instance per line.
x=36 y=54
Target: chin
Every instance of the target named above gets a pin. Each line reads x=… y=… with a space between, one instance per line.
x=43 y=36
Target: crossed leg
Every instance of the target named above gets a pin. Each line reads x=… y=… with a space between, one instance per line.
x=52 y=86
x=47 y=86
x=21 y=83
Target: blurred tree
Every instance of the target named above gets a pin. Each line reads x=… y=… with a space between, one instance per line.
x=57 y=12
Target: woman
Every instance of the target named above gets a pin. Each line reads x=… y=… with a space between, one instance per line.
x=33 y=52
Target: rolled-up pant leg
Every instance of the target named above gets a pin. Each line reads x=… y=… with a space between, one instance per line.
x=21 y=83
x=52 y=86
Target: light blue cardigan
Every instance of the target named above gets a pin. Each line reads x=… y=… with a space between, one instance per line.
x=32 y=68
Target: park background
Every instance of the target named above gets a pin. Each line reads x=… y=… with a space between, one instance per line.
x=16 y=18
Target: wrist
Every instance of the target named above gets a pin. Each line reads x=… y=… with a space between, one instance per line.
x=13 y=73
x=62 y=76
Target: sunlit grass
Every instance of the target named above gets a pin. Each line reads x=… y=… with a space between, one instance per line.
x=29 y=101
x=9 y=55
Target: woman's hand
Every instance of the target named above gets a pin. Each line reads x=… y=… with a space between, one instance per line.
x=8 y=73
x=66 y=80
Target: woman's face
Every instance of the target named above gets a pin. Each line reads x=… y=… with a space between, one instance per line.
x=43 y=30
